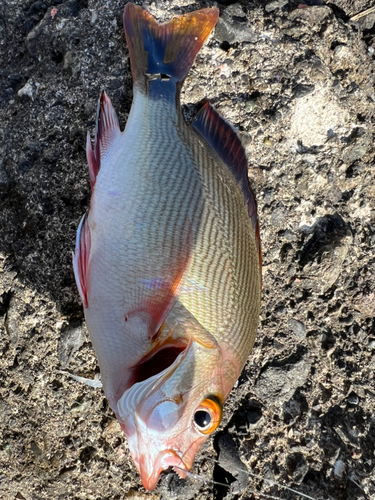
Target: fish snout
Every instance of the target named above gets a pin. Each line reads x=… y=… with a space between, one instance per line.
x=150 y=467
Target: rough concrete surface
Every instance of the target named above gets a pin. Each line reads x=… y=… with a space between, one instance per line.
x=297 y=80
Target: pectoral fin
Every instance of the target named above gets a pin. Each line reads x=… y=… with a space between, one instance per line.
x=182 y=322
x=161 y=291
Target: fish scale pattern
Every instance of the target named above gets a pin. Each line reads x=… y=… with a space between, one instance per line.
x=144 y=232
x=226 y=301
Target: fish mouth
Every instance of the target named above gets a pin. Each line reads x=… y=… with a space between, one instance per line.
x=157 y=360
x=150 y=472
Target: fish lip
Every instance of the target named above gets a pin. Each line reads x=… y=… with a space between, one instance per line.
x=163 y=461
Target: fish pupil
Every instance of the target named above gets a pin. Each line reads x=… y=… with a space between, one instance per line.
x=202 y=418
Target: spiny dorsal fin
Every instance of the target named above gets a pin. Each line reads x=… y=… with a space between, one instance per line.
x=107 y=129
x=223 y=139
x=167 y=50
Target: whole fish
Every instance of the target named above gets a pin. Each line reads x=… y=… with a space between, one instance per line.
x=167 y=261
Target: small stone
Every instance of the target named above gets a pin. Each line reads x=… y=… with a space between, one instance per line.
x=114 y=84
x=277 y=4
x=297 y=466
x=353 y=399
x=232 y=26
x=71 y=63
x=277 y=385
x=253 y=416
x=278 y=216
x=251 y=105
x=230 y=461
x=339 y=468
x=27 y=90
x=298 y=328
x=12 y=322
x=301 y=90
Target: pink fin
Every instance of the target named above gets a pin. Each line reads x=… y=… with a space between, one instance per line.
x=81 y=258
x=160 y=293
x=223 y=139
x=165 y=50
x=169 y=291
x=94 y=165
x=107 y=130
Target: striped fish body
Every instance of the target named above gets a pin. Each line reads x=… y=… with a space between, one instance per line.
x=222 y=285
x=167 y=262
x=145 y=209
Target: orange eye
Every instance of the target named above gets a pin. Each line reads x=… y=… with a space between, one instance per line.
x=208 y=415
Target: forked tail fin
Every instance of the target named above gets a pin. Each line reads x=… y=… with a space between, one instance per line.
x=162 y=54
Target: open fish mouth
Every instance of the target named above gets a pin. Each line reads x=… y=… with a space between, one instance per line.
x=158 y=359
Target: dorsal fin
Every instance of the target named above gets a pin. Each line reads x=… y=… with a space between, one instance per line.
x=223 y=139
x=107 y=129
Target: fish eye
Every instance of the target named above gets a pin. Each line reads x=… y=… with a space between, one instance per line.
x=202 y=419
x=208 y=415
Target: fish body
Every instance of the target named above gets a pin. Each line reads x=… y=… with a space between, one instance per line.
x=167 y=261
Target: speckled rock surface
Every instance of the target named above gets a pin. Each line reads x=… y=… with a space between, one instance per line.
x=298 y=82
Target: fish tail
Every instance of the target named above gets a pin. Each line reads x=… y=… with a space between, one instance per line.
x=162 y=54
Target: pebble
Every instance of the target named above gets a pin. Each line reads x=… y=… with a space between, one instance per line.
x=27 y=90
x=298 y=328
x=339 y=468
x=276 y=385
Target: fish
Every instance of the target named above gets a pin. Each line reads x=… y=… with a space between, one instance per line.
x=167 y=260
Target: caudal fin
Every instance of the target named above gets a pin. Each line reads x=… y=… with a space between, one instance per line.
x=162 y=53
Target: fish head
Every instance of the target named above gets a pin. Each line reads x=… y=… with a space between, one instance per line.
x=169 y=416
